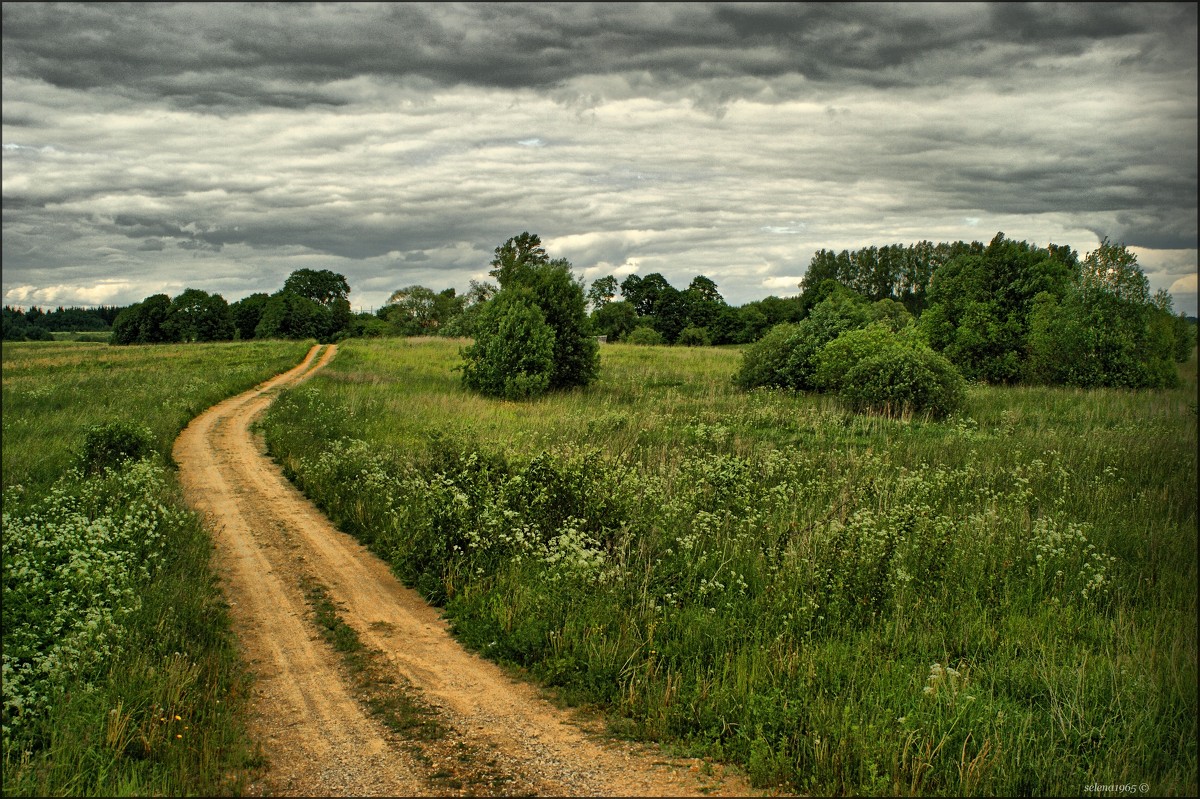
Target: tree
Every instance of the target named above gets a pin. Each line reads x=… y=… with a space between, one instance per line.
x=419 y=311
x=246 y=313
x=644 y=292
x=1106 y=331
x=614 y=319
x=412 y=311
x=196 y=315
x=290 y=315
x=144 y=322
x=472 y=303
x=602 y=291
x=512 y=356
x=522 y=265
x=515 y=256
x=560 y=298
x=321 y=286
x=704 y=302
x=786 y=357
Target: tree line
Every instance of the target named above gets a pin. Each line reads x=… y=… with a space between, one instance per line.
x=36 y=324
x=1003 y=312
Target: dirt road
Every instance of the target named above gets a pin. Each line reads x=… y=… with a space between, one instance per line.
x=500 y=737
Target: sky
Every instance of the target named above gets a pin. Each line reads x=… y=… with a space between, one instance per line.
x=150 y=148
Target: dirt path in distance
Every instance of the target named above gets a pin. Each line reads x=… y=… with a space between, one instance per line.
x=502 y=737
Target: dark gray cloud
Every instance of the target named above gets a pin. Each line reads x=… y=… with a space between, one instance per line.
x=233 y=53
x=400 y=143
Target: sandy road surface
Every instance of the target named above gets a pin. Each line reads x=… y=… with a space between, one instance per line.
x=317 y=736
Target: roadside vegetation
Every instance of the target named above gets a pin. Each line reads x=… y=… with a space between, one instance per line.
x=120 y=673
x=1002 y=602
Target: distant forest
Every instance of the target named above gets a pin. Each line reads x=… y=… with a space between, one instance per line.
x=1003 y=312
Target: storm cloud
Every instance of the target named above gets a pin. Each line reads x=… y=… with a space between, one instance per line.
x=152 y=147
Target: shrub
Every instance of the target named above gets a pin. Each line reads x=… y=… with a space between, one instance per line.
x=513 y=353
x=902 y=380
x=835 y=360
x=645 y=336
x=694 y=337
x=786 y=356
x=109 y=445
x=780 y=359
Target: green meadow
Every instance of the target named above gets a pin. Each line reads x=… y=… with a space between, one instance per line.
x=1002 y=603
x=120 y=672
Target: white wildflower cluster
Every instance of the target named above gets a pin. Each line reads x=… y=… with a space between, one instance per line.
x=73 y=566
x=574 y=552
x=944 y=680
x=1070 y=562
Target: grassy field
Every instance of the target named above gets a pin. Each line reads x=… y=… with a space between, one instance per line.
x=1002 y=603
x=120 y=674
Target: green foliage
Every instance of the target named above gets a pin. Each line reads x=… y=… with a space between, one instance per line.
x=601 y=292
x=902 y=381
x=419 y=311
x=522 y=267
x=196 y=315
x=560 y=298
x=1000 y=603
x=644 y=335
x=247 y=313
x=108 y=445
x=1106 y=330
x=516 y=256
x=288 y=315
x=144 y=322
x=694 y=337
x=835 y=360
x=512 y=356
x=322 y=286
x=979 y=303
x=615 y=320
x=787 y=356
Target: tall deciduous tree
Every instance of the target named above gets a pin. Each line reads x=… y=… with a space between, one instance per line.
x=602 y=291
x=321 y=286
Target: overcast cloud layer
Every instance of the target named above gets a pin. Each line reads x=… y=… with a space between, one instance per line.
x=151 y=148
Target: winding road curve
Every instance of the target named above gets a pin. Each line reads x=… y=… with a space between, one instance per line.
x=318 y=738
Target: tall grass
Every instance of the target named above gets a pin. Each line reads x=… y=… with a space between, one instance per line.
x=1003 y=603
x=120 y=673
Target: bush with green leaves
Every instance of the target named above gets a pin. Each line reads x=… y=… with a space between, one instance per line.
x=786 y=356
x=512 y=356
x=645 y=336
x=108 y=445
x=838 y=357
x=694 y=337
x=899 y=381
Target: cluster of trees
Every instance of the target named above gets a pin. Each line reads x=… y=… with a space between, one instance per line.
x=533 y=334
x=652 y=311
x=1009 y=312
x=1004 y=312
x=871 y=355
x=37 y=325
x=311 y=304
